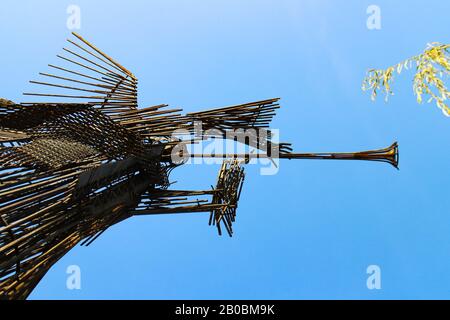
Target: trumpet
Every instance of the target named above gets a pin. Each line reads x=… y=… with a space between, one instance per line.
x=389 y=155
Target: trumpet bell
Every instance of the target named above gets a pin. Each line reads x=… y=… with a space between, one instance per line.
x=389 y=155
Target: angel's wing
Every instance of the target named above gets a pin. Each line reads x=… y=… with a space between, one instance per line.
x=88 y=75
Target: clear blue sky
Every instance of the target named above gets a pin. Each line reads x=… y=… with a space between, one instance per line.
x=311 y=230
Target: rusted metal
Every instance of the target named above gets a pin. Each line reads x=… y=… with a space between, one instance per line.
x=70 y=170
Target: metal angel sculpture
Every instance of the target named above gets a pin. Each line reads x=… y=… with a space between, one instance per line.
x=69 y=171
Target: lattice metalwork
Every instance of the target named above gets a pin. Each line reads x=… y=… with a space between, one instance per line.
x=71 y=169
